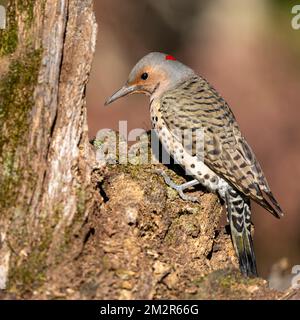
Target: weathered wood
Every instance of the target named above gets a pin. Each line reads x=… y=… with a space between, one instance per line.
x=46 y=50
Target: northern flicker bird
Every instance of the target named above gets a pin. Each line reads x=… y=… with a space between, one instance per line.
x=181 y=100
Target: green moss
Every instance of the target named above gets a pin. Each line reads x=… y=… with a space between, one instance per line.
x=16 y=101
x=26 y=8
x=227 y=281
x=81 y=201
x=74 y=229
x=225 y=284
x=28 y=269
x=77 y=221
x=17 y=86
x=234 y=281
x=97 y=143
x=28 y=273
x=9 y=35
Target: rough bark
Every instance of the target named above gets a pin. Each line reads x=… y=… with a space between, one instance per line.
x=46 y=52
x=70 y=228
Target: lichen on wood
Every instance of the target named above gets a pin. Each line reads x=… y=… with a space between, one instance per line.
x=9 y=35
x=16 y=101
x=37 y=51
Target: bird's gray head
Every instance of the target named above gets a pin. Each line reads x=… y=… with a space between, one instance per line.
x=153 y=75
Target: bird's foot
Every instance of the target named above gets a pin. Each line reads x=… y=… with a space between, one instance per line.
x=179 y=187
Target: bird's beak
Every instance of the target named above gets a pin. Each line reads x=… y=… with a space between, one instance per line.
x=124 y=91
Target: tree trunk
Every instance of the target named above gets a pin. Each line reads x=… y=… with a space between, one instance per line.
x=70 y=228
x=46 y=55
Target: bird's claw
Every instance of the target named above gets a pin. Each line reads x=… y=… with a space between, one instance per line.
x=178 y=187
x=185 y=197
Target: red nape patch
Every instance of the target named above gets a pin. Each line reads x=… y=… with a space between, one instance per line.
x=169 y=57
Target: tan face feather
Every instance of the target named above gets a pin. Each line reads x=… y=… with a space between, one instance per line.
x=155 y=77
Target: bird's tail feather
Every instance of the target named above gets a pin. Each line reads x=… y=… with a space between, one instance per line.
x=239 y=215
x=270 y=203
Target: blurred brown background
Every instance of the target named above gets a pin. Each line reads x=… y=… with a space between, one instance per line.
x=250 y=53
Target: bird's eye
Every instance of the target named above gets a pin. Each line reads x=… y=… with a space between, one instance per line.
x=144 y=76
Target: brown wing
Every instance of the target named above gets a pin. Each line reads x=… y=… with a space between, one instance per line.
x=195 y=104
